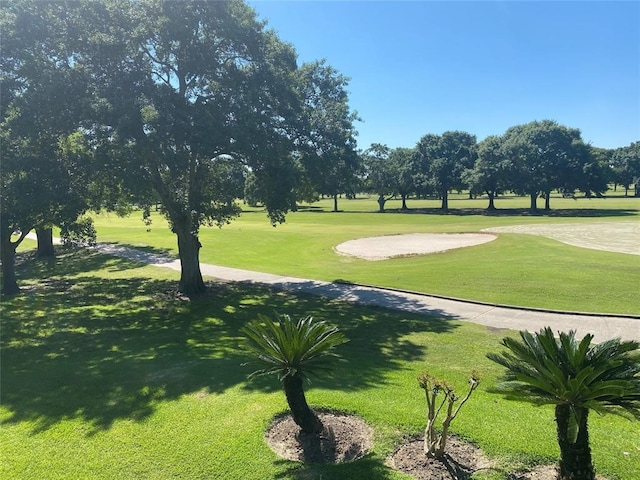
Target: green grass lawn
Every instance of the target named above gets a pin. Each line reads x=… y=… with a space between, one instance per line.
x=107 y=375
x=516 y=269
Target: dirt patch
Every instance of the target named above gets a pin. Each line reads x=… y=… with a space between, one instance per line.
x=544 y=472
x=345 y=438
x=620 y=237
x=459 y=462
x=389 y=246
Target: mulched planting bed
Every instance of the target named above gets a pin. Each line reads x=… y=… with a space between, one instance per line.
x=345 y=438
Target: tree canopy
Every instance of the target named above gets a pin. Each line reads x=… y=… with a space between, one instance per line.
x=179 y=98
x=441 y=159
x=625 y=162
x=545 y=156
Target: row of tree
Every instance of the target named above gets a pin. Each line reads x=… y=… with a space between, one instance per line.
x=533 y=159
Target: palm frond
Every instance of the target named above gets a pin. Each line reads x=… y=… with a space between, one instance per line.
x=541 y=368
x=286 y=347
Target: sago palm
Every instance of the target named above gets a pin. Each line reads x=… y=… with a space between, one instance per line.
x=293 y=351
x=576 y=377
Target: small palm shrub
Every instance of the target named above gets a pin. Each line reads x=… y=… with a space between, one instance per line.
x=293 y=351
x=576 y=377
x=435 y=443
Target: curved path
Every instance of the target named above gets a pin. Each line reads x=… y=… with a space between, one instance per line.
x=601 y=326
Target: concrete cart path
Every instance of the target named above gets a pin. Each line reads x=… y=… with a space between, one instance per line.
x=601 y=326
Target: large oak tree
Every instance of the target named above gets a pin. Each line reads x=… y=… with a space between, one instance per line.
x=326 y=143
x=490 y=172
x=440 y=161
x=545 y=156
x=46 y=179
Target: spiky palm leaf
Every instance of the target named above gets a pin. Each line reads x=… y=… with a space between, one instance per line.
x=575 y=377
x=286 y=348
x=545 y=370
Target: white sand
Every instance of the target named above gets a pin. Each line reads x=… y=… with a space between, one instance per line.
x=388 y=246
x=620 y=237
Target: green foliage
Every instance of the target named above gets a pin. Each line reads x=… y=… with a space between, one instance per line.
x=326 y=146
x=288 y=348
x=380 y=174
x=293 y=351
x=440 y=161
x=544 y=370
x=626 y=166
x=80 y=232
x=576 y=377
x=546 y=156
x=490 y=170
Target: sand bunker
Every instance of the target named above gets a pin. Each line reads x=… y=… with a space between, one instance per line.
x=389 y=246
x=620 y=237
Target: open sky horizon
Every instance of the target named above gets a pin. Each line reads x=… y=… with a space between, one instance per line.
x=419 y=67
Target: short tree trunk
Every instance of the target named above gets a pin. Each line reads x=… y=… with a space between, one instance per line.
x=404 y=203
x=335 y=202
x=45 y=242
x=534 y=199
x=491 y=202
x=547 y=200
x=445 y=201
x=8 y=258
x=575 y=458
x=191 y=282
x=302 y=414
x=381 y=202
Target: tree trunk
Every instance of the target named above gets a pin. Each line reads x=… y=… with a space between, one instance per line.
x=491 y=204
x=404 y=202
x=534 y=198
x=547 y=200
x=8 y=258
x=302 y=414
x=575 y=458
x=381 y=202
x=45 y=242
x=191 y=282
x=445 y=201
x=335 y=202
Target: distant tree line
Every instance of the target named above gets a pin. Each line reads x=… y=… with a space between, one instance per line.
x=534 y=159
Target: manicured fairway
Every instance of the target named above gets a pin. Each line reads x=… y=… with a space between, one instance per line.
x=516 y=269
x=106 y=374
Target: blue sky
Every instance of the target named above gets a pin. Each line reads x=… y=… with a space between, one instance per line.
x=419 y=67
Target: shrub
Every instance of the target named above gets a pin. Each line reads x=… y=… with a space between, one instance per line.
x=434 y=442
x=576 y=377
x=293 y=351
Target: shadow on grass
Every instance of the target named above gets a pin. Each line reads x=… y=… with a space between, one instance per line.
x=519 y=212
x=144 y=254
x=371 y=467
x=85 y=342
